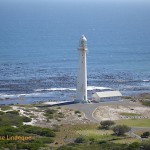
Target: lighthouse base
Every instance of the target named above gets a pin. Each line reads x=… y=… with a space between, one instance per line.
x=81 y=101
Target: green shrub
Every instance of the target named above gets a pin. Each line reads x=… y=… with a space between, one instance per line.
x=50 y=111
x=101 y=142
x=77 y=112
x=134 y=146
x=92 y=140
x=67 y=148
x=146 y=145
x=145 y=134
x=121 y=129
x=11 y=129
x=2 y=113
x=106 y=124
x=5 y=108
x=45 y=140
x=10 y=119
x=39 y=131
x=13 y=112
x=60 y=115
x=80 y=140
x=29 y=146
x=49 y=116
x=26 y=119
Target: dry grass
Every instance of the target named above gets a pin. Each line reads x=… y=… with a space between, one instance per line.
x=135 y=122
x=129 y=114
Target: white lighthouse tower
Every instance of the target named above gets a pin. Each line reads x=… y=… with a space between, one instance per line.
x=82 y=72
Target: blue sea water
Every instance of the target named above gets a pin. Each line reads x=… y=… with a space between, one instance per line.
x=39 y=41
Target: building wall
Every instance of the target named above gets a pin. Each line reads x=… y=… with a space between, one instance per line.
x=116 y=98
x=96 y=98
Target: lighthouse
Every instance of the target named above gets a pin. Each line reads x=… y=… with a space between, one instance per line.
x=81 y=95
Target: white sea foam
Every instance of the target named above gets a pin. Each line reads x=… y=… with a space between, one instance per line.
x=146 y=80
x=55 y=89
x=9 y=96
x=89 y=88
x=53 y=103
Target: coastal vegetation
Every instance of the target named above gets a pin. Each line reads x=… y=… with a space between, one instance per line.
x=12 y=118
x=63 y=137
x=51 y=134
x=53 y=114
x=11 y=127
x=106 y=145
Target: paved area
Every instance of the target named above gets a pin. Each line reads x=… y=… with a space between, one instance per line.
x=89 y=108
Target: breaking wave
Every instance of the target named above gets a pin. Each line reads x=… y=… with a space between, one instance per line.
x=90 y=88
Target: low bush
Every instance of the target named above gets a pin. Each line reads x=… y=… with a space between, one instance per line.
x=121 y=129
x=13 y=112
x=77 y=112
x=10 y=119
x=2 y=113
x=39 y=131
x=134 y=146
x=44 y=140
x=80 y=140
x=145 y=145
x=5 y=108
x=50 y=111
x=106 y=124
x=60 y=115
x=145 y=134
x=26 y=119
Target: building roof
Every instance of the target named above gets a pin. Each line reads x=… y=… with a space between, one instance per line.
x=108 y=94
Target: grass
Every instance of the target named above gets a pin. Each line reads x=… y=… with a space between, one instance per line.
x=126 y=140
x=134 y=122
x=96 y=134
x=130 y=114
x=68 y=133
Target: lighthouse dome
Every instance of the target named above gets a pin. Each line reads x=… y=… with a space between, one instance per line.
x=83 y=42
x=83 y=38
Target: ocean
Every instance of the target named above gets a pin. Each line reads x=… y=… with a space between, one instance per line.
x=39 y=41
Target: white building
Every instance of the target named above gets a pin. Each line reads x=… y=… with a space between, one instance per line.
x=107 y=96
x=81 y=95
